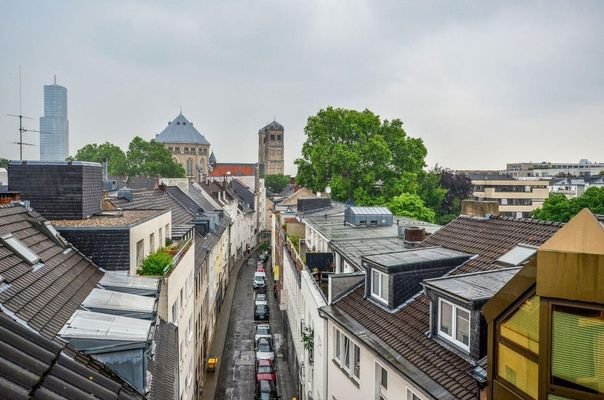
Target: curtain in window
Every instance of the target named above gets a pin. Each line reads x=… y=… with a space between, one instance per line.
x=462 y=326
x=522 y=327
x=578 y=348
x=446 y=318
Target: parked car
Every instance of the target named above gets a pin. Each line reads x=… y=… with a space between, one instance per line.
x=251 y=261
x=266 y=390
x=263 y=330
x=261 y=299
x=261 y=313
x=264 y=349
x=260 y=268
x=259 y=284
x=260 y=273
x=265 y=371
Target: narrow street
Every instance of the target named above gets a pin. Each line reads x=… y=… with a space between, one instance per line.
x=237 y=367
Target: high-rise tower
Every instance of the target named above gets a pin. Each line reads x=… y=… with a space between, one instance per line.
x=270 y=148
x=54 y=126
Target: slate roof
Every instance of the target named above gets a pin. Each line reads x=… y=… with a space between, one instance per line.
x=204 y=199
x=404 y=331
x=36 y=367
x=181 y=131
x=243 y=192
x=236 y=169
x=271 y=126
x=352 y=250
x=163 y=367
x=156 y=200
x=46 y=295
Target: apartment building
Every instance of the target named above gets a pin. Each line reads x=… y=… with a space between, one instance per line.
x=516 y=197
x=546 y=325
x=584 y=168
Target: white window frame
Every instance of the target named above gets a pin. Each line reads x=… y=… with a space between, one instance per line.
x=381 y=288
x=381 y=391
x=452 y=337
x=412 y=393
x=340 y=354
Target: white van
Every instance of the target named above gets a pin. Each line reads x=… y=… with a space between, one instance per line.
x=262 y=274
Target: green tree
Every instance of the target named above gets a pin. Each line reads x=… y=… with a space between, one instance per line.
x=151 y=158
x=276 y=183
x=3 y=163
x=412 y=206
x=557 y=207
x=359 y=156
x=430 y=190
x=115 y=157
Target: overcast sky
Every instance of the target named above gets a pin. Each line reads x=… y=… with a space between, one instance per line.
x=482 y=83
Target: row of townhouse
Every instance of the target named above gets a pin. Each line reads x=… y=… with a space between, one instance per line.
x=117 y=231
x=450 y=316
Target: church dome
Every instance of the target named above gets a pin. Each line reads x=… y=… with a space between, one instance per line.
x=181 y=131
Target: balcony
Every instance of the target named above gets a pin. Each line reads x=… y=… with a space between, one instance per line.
x=161 y=262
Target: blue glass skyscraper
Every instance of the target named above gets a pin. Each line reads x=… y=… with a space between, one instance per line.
x=54 y=126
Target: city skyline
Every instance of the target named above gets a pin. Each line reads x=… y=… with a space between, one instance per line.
x=464 y=79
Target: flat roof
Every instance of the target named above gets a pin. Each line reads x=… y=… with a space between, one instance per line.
x=110 y=300
x=32 y=162
x=93 y=325
x=474 y=286
x=334 y=228
x=110 y=219
x=121 y=279
x=402 y=260
x=353 y=250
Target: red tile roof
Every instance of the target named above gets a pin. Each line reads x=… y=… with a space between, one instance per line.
x=405 y=330
x=221 y=169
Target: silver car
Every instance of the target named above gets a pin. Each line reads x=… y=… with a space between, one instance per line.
x=264 y=349
x=263 y=330
x=261 y=299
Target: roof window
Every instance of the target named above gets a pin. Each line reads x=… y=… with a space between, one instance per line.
x=518 y=255
x=21 y=249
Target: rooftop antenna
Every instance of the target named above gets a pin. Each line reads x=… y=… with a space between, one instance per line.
x=21 y=128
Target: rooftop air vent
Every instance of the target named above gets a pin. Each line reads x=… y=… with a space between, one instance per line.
x=368 y=216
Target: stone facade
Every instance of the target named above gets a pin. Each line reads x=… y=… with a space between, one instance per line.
x=270 y=148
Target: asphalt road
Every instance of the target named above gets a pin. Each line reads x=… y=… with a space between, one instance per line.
x=237 y=378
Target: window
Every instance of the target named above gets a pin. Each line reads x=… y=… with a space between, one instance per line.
x=174 y=312
x=357 y=361
x=189 y=167
x=347 y=354
x=278 y=137
x=140 y=252
x=411 y=395
x=379 y=285
x=21 y=249
x=161 y=238
x=454 y=324
x=578 y=349
x=167 y=231
x=336 y=335
x=152 y=242
x=381 y=382
x=272 y=137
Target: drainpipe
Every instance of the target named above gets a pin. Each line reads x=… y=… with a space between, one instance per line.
x=325 y=354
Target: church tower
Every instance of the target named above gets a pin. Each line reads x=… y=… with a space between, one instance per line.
x=270 y=148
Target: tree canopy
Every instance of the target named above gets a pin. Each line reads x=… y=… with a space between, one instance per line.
x=412 y=206
x=115 y=157
x=276 y=183
x=558 y=207
x=359 y=156
x=3 y=163
x=148 y=158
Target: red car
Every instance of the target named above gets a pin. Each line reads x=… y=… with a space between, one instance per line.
x=260 y=268
x=265 y=371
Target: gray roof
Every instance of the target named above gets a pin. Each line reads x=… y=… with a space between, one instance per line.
x=121 y=281
x=163 y=367
x=118 y=303
x=352 y=250
x=105 y=327
x=36 y=367
x=272 y=126
x=474 y=286
x=333 y=228
x=417 y=257
x=44 y=295
x=181 y=131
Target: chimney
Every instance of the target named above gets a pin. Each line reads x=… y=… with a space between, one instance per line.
x=479 y=209
x=412 y=234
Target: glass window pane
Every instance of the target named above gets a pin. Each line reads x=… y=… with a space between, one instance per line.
x=357 y=361
x=384 y=378
x=346 y=352
x=522 y=327
x=375 y=283
x=518 y=370
x=446 y=318
x=463 y=327
x=337 y=336
x=384 y=287
x=578 y=348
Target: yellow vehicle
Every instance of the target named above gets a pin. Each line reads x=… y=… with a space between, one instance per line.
x=212 y=361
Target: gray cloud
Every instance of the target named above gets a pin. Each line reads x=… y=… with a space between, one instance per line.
x=481 y=83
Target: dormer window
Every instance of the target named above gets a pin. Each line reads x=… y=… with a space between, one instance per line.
x=20 y=249
x=379 y=286
x=454 y=323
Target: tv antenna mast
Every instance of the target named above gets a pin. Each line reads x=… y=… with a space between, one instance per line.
x=22 y=130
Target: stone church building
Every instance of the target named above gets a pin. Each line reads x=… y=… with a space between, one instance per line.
x=188 y=146
x=270 y=148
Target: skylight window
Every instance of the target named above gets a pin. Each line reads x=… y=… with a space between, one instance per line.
x=517 y=255
x=21 y=249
